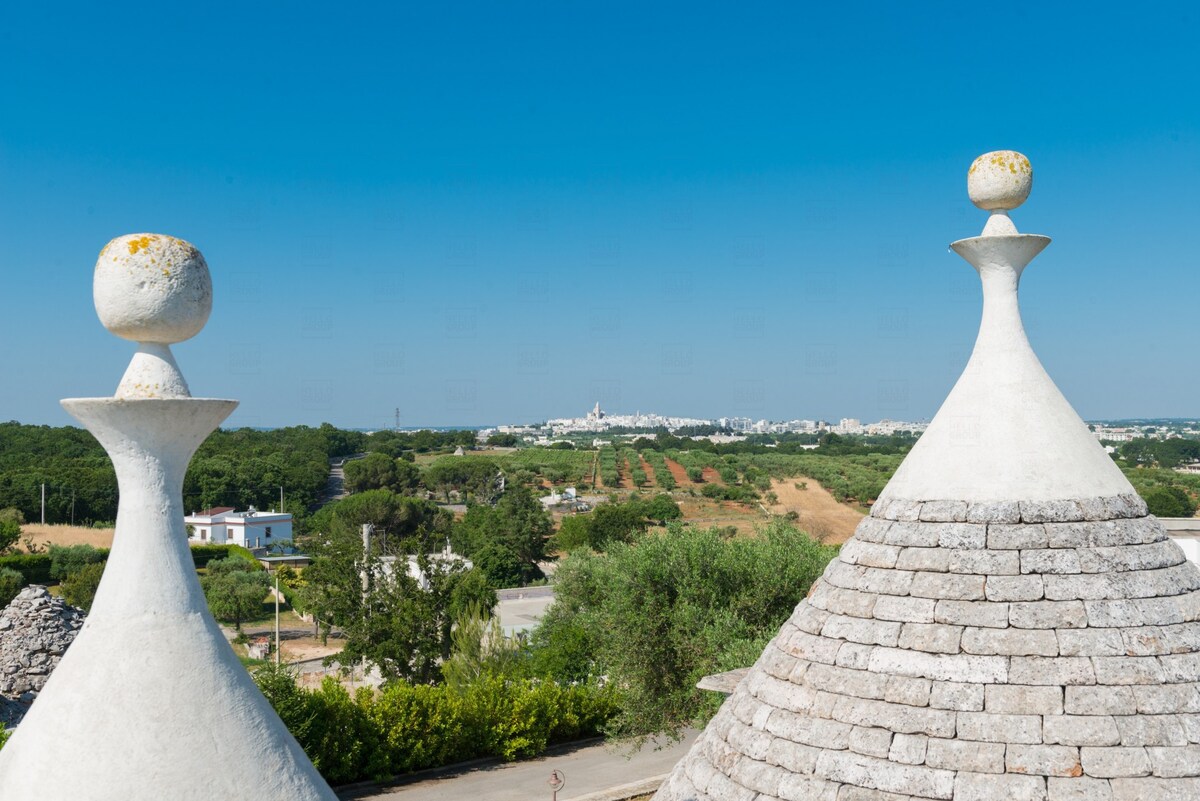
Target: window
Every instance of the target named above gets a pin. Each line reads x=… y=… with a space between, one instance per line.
x=203 y=534
x=267 y=531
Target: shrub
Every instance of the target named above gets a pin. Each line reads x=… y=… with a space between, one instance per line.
x=79 y=588
x=203 y=554
x=408 y=727
x=656 y=616
x=68 y=559
x=35 y=567
x=11 y=583
x=10 y=532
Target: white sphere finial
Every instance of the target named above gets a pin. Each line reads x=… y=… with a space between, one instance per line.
x=999 y=182
x=156 y=291
x=152 y=288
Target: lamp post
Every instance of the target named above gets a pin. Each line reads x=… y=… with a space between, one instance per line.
x=277 y=651
x=557 y=781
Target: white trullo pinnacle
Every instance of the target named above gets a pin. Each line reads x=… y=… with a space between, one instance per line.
x=1008 y=624
x=150 y=701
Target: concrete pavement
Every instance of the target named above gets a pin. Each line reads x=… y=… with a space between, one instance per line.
x=588 y=769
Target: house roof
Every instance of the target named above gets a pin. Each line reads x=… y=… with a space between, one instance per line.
x=213 y=512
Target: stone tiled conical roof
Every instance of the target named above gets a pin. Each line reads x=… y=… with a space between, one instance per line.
x=1007 y=625
x=35 y=631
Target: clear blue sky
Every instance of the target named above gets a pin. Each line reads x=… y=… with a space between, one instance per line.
x=494 y=212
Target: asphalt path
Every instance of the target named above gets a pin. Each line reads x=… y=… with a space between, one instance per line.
x=588 y=769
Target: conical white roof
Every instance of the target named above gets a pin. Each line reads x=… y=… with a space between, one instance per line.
x=1007 y=625
x=1005 y=432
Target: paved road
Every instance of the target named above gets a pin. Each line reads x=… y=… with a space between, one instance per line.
x=335 y=484
x=522 y=609
x=588 y=769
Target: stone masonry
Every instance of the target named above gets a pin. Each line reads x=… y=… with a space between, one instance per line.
x=1005 y=651
x=35 y=630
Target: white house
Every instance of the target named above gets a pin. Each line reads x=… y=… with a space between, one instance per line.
x=250 y=529
x=388 y=564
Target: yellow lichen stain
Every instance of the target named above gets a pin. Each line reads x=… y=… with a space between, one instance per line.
x=141 y=243
x=1015 y=163
x=166 y=272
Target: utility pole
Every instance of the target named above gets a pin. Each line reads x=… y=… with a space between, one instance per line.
x=43 y=503
x=281 y=500
x=72 y=506
x=276 y=615
x=367 y=528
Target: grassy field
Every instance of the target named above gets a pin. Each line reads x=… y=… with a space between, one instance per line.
x=45 y=536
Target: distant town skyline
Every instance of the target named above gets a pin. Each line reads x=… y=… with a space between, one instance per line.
x=487 y=213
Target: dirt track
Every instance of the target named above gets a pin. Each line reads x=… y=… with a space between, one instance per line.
x=678 y=473
x=651 y=479
x=820 y=513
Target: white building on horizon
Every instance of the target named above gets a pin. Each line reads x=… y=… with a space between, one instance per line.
x=222 y=525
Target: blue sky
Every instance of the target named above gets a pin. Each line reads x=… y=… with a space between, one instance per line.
x=490 y=212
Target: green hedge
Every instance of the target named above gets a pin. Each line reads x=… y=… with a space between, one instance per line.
x=203 y=554
x=407 y=727
x=35 y=567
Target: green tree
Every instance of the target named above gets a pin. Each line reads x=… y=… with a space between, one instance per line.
x=480 y=648
x=401 y=523
x=10 y=532
x=235 y=590
x=518 y=525
x=573 y=532
x=380 y=471
x=11 y=520
x=662 y=508
x=501 y=565
x=475 y=477
x=657 y=616
x=11 y=583
x=404 y=628
x=394 y=622
x=79 y=588
x=612 y=523
x=1169 y=501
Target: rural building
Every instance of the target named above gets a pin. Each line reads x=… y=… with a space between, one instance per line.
x=413 y=566
x=252 y=529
